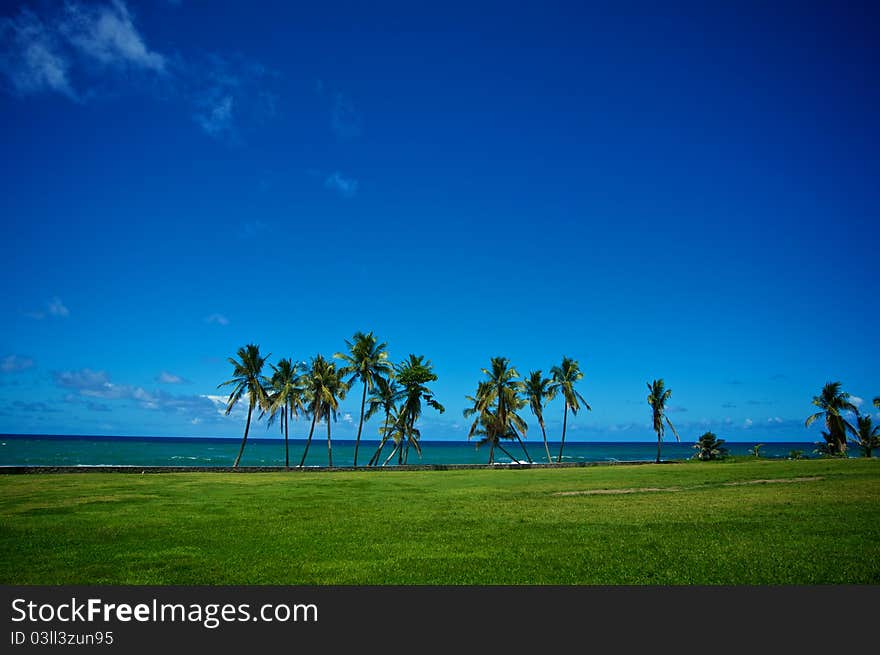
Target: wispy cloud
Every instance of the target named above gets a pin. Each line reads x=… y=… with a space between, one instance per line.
x=218 y=319
x=216 y=117
x=677 y=409
x=345 y=120
x=169 y=378
x=106 y=34
x=229 y=94
x=728 y=405
x=53 y=307
x=36 y=407
x=345 y=186
x=31 y=56
x=15 y=363
x=78 y=49
x=759 y=402
x=855 y=400
x=42 y=54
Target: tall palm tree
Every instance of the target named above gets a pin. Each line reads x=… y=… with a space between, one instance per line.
x=499 y=396
x=877 y=402
x=564 y=377
x=384 y=397
x=658 y=395
x=367 y=361
x=324 y=388
x=413 y=374
x=537 y=390
x=247 y=378
x=285 y=398
x=832 y=402
x=868 y=435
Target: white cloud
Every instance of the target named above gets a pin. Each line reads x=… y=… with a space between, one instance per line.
x=219 y=319
x=107 y=34
x=31 y=56
x=855 y=400
x=748 y=423
x=216 y=117
x=41 y=53
x=345 y=186
x=57 y=308
x=347 y=418
x=53 y=307
x=15 y=363
x=774 y=419
x=169 y=378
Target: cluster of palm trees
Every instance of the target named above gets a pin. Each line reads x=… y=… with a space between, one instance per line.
x=399 y=390
x=834 y=404
x=502 y=394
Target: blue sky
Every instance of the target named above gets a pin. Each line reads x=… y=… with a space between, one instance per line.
x=687 y=192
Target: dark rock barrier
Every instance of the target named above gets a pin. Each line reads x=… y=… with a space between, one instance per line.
x=12 y=470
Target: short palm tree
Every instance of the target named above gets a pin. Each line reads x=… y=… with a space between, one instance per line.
x=756 y=449
x=285 y=398
x=323 y=389
x=499 y=397
x=537 y=390
x=367 y=361
x=710 y=447
x=868 y=435
x=832 y=402
x=412 y=375
x=402 y=435
x=657 y=397
x=491 y=433
x=247 y=378
x=384 y=397
x=564 y=377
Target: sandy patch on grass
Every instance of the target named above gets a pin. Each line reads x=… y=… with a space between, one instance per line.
x=771 y=481
x=597 y=492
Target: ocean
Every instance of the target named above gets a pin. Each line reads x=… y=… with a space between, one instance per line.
x=60 y=450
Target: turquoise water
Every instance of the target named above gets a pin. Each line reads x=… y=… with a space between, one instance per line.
x=167 y=451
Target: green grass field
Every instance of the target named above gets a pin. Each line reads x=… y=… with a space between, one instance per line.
x=450 y=527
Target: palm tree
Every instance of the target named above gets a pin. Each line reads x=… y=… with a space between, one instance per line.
x=285 y=398
x=490 y=433
x=657 y=397
x=868 y=435
x=366 y=361
x=499 y=397
x=710 y=447
x=247 y=378
x=877 y=402
x=833 y=402
x=756 y=449
x=537 y=390
x=564 y=377
x=412 y=375
x=402 y=435
x=323 y=391
x=385 y=397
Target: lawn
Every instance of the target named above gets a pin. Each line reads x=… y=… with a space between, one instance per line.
x=675 y=524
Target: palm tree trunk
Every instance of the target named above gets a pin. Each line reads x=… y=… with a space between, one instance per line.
x=329 y=446
x=564 y=424
x=396 y=448
x=528 y=457
x=309 y=441
x=492 y=452
x=546 y=445
x=247 y=427
x=357 y=443
x=375 y=459
x=504 y=450
x=658 y=447
x=286 y=420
